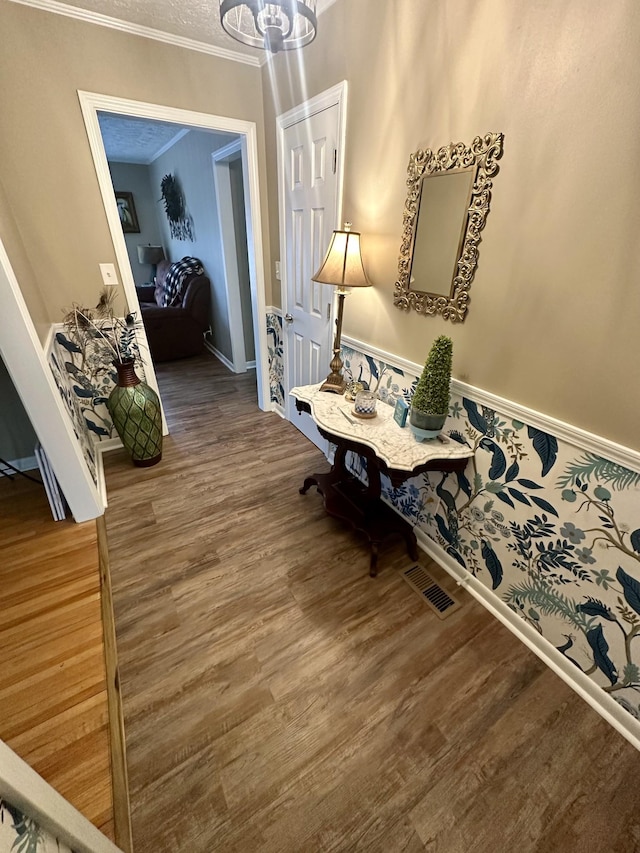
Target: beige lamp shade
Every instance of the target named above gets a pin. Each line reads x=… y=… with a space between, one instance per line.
x=342 y=265
x=150 y=254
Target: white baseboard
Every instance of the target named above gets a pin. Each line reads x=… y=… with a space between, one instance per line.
x=584 y=686
x=220 y=356
x=279 y=410
x=102 y=447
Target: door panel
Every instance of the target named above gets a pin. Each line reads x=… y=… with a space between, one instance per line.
x=310 y=216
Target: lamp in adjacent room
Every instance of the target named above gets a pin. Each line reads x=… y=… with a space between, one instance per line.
x=343 y=268
x=151 y=255
x=285 y=25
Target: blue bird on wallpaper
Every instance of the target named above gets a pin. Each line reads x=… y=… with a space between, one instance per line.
x=98 y=430
x=600 y=647
x=70 y=346
x=498 y=461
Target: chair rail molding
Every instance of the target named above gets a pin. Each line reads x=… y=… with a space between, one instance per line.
x=573 y=435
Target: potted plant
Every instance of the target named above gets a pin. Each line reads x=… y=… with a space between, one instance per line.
x=105 y=339
x=430 y=401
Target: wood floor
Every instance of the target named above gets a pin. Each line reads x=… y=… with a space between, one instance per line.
x=276 y=698
x=53 y=699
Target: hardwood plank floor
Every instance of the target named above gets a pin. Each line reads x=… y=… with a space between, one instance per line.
x=53 y=701
x=276 y=698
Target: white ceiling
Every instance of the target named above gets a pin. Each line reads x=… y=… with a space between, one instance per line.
x=196 y=20
x=138 y=140
x=133 y=140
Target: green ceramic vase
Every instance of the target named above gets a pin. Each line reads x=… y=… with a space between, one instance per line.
x=136 y=415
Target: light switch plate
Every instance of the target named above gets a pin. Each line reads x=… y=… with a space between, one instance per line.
x=108 y=273
x=278 y=270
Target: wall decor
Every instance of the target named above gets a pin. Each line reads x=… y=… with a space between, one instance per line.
x=105 y=342
x=127 y=212
x=180 y=222
x=449 y=191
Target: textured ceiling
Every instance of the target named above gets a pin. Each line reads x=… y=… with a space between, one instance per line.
x=193 y=19
x=133 y=140
x=139 y=140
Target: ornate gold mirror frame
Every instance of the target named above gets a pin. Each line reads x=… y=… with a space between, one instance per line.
x=481 y=156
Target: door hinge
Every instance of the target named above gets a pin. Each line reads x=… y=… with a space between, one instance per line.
x=328 y=310
x=335 y=160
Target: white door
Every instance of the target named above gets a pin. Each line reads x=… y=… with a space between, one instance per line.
x=311 y=206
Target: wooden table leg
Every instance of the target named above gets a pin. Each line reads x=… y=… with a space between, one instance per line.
x=373 y=562
x=309 y=481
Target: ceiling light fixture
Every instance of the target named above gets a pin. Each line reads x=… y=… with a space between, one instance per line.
x=286 y=25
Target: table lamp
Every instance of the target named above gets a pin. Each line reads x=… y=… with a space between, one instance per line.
x=342 y=267
x=151 y=255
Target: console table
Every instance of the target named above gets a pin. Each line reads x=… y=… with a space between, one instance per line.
x=387 y=449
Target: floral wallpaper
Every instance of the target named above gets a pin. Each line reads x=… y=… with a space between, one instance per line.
x=21 y=834
x=72 y=404
x=275 y=344
x=85 y=376
x=548 y=527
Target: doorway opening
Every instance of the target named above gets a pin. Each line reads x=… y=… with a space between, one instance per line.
x=187 y=133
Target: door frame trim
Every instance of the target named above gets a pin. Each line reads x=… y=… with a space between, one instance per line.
x=335 y=96
x=220 y=161
x=90 y=104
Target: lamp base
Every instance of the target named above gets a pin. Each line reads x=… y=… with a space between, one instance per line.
x=335 y=383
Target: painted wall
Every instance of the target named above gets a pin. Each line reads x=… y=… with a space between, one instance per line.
x=21 y=264
x=136 y=179
x=189 y=160
x=17 y=436
x=240 y=227
x=554 y=305
x=45 y=164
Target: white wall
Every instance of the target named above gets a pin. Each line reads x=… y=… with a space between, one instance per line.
x=190 y=162
x=136 y=179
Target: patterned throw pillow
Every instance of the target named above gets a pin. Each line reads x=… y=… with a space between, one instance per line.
x=174 y=282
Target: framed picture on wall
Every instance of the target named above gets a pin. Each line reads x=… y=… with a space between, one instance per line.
x=127 y=211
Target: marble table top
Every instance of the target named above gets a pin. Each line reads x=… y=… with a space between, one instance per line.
x=396 y=446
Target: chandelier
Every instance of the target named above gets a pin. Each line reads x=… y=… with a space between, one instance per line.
x=286 y=25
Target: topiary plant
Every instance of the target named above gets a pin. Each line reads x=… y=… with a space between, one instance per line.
x=432 y=392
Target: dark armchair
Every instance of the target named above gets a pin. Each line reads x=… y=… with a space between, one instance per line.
x=176 y=332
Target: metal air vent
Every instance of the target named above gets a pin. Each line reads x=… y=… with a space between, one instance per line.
x=430 y=591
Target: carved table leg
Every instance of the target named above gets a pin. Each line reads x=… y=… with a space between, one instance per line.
x=412 y=543
x=309 y=481
x=373 y=563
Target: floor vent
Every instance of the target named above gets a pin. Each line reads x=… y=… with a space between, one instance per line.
x=430 y=591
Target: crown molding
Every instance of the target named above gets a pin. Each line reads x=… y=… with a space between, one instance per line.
x=100 y=20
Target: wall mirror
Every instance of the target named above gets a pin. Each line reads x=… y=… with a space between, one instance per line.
x=449 y=192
